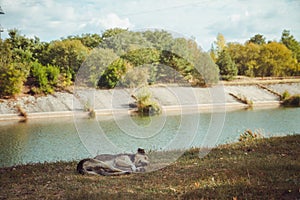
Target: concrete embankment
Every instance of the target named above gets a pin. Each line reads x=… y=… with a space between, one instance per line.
x=171 y=98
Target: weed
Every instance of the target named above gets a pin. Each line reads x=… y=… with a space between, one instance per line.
x=285 y=95
x=22 y=113
x=249 y=135
x=145 y=103
x=92 y=114
x=243 y=99
x=292 y=101
x=88 y=108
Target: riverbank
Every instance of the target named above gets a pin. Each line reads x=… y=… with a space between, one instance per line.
x=226 y=96
x=255 y=169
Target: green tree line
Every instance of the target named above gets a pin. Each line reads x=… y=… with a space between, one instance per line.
x=119 y=56
x=257 y=58
x=31 y=66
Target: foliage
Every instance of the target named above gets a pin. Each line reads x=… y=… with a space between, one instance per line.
x=228 y=69
x=68 y=55
x=291 y=43
x=220 y=44
x=158 y=50
x=246 y=57
x=95 y=65
x=12 y=78
x=135 y=78
x=45 y=78
x=145 y=103
x=13 y=72
x=168 y=58
x=258 y=39
x=271 y=59
x=125 y=41
x=113 y=73
x=249 y=136
x=275 y=60
x=88 y=40
x=292 y=101
x=285 y=95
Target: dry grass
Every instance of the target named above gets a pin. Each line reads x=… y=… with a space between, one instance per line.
x=256 y=169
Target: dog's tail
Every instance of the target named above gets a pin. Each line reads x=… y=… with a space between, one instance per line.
x=80 y=168
x=104 y=173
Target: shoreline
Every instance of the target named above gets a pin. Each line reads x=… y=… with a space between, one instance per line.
x=186 y=109
x=238 y=94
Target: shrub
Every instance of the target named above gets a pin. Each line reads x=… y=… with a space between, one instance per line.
x=285 y=95
x=249 y=135
x=12 y=78
x=52 y=74
x=292 y=101
x=46 y=78
x=145 y=104
x=136 y=77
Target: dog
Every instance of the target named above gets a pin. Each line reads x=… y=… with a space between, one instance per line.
x=112 y=165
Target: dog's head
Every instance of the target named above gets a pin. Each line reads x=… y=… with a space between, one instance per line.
x=141 y=159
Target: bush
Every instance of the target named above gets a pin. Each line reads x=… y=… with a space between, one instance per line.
x=292 y=101
x=285 y=95
x=12 y=78
x=228 y=69
x=46 y=78
x=136 y=77
x=249 y=135
x=145 y=104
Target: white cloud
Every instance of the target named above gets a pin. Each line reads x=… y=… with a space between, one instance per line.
x=112 y=20
x=236 y=20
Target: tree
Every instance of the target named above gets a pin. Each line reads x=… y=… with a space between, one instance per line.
x=13 y=73
x=292 y=44
x=275 y=60
x=68 y=55
x=94 y=66
x=212 y=53
x=160 y=39
x=246 y=57
x=89 y=40
x=124 y=41
x=257 y=39
x=228 y=69
x=220 y=44
x=112 y=32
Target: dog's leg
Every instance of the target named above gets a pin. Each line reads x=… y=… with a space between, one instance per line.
x=140 y=169
x=124 y=162
x=104 y=173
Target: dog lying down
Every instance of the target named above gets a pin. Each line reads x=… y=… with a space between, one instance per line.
x=112 y=165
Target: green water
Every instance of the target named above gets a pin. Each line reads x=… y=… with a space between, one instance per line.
x=57 y=139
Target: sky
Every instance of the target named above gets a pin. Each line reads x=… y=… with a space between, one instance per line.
x=237 y=20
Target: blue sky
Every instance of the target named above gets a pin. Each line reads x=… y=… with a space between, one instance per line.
x=237 y=20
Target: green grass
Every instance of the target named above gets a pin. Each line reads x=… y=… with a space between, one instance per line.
x=253 y=169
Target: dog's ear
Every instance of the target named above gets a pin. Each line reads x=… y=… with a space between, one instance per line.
x=141 y=151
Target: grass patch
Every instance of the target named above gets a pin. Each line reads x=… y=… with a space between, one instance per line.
x=260 y=169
